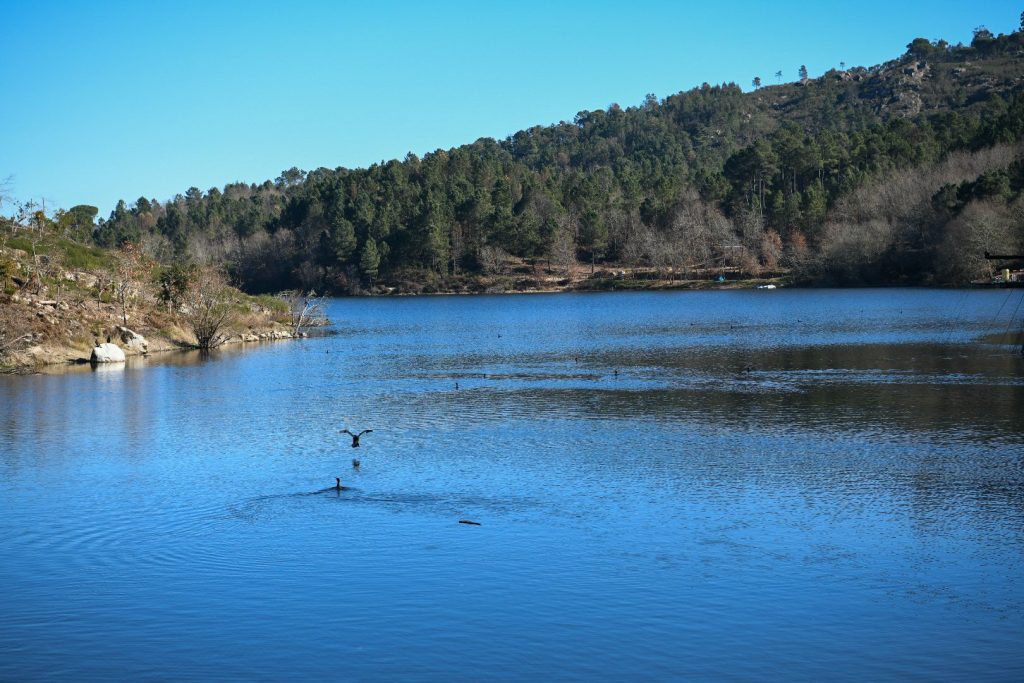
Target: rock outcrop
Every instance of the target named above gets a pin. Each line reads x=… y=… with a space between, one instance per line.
x=135 y=342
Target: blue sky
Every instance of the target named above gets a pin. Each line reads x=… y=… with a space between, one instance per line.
x=109 y=100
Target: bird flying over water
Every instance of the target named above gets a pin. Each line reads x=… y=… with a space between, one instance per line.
x=355 y=437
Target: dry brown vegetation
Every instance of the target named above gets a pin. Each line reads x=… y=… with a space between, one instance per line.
x=895 y=219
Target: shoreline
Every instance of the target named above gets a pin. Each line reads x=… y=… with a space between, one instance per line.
x=506 y=285
x=35 y=358
x=51 y=354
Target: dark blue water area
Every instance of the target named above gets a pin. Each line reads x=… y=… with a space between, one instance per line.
x=750 y=485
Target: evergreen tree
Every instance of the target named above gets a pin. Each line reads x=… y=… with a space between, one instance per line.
x=369 y=260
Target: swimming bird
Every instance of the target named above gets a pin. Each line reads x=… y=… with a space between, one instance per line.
x=356 y=463
x=337 y=485
x=355 y=437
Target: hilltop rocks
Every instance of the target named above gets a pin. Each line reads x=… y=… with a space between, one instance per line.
x=107 y=353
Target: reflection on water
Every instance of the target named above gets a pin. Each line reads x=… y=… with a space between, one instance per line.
x=828 y=482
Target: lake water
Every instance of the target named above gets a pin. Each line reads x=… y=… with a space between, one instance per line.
x=746 y=485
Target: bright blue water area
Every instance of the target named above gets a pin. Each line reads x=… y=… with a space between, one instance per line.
x=748 y=485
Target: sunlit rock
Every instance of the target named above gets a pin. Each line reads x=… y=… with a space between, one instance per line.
x=107 y=353
x=133 y=340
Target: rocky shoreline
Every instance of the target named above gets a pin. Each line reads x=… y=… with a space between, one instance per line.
x=61 y=332
x=128 y=344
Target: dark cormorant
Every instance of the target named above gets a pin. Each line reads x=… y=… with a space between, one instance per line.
x=356 y=463
x=337 y=485
x=355 y=437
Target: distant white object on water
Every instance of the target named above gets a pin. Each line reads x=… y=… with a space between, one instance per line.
x=766 y=286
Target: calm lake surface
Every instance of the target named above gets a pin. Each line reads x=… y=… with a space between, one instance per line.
x=803 y=485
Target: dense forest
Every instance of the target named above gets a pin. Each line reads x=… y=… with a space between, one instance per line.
x=903 y=172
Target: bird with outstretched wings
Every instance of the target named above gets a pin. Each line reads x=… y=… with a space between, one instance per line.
x=355 y=437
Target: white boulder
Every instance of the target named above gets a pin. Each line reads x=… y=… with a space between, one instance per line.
x=107 y=353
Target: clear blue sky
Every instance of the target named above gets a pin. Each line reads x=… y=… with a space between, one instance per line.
x=109 y=100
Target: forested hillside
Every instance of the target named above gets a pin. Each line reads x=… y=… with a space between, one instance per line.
x=902 y=172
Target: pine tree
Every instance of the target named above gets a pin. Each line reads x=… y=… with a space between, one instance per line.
x=369 y=259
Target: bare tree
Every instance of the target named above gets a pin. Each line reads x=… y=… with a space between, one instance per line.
x=798 y=255
x=562 y=251
x=847 y=249
x=15 y=331
x=698 y=232
x=207 y=308
x=157 y=247
x=983 y=226
x=750 y=226
x=771 y=250
x=127 y=285
x=640 y=245
x=903 y=198
x=494 y=259
x=41 y=266
x=304 y=310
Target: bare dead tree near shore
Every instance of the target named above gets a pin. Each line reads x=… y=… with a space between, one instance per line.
x=127 y=283
x=304 y=310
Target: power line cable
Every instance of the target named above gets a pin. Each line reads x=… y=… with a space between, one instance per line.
x=956 y=319
x=1014 y=315
x=996 y=316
